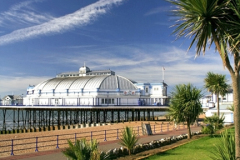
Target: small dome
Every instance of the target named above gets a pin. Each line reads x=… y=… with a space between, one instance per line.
x=84 y=70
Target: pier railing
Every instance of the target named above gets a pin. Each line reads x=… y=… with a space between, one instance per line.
x=34 y=144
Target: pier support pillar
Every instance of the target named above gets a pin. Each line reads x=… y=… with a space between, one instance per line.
x=118 y=115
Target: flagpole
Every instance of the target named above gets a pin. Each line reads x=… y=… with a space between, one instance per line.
x=163 y=73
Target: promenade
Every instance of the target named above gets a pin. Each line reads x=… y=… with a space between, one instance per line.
x=103 y=146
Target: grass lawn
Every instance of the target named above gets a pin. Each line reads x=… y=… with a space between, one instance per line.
x=197 y=150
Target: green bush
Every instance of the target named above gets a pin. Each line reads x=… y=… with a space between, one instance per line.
x=83 y=150
x=208 y=129
x=215 y=121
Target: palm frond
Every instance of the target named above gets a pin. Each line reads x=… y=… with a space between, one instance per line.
x=225 y=150
x=128 y=139
x=82 y=150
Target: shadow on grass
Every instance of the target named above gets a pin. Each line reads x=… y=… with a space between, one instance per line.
x=162 y=154
x=214 y=136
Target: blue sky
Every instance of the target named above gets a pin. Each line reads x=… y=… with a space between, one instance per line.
x=39 y=38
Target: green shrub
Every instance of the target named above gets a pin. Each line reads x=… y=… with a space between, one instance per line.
x=83 y=150
x=208 y=129
x=215 y=121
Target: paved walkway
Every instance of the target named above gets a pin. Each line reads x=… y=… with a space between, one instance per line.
x=104 y=146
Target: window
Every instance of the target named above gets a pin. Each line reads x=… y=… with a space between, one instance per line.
x=107 y=101
x=146 y=90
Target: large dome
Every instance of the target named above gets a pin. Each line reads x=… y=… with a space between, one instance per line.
x=108 y=82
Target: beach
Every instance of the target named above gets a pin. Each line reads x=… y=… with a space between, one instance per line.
x=49 y=140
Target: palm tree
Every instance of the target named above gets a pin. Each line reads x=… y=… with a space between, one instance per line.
x=82 y=150
x=128 y=139
x=218 y=22
x=216 y=83
x=185 y=105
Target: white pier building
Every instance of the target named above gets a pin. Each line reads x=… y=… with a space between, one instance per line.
x=95 y=88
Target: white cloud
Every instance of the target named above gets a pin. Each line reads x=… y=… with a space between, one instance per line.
x=18 y=85
x=81 y=17
x=23 y=13
x=145 y=62
x=158 y=10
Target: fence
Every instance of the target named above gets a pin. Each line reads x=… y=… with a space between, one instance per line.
x=35 y=144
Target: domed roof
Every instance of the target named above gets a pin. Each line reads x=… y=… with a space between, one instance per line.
x=107 y=82
x=84 y=69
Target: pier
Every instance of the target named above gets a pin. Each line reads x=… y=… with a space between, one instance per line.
x=38 y=118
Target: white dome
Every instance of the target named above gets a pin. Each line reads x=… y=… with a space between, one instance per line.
x=108 y=82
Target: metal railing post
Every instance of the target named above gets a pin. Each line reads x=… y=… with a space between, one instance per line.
x=117 y=134
x=12 y=149
x=91 y=135
x=138 y=130
x=105 y=136
x=36 y=150
x=57 y=143
x=75 y=138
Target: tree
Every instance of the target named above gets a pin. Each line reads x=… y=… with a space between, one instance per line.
x=218 y=22
x=216 y=83
x=128 y=139
x=185 y=105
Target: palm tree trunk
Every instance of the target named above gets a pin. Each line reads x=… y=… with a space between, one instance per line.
x=218 y=113
x=189 y=130
x=234 y=72
x=236 y=103
x=218 y=107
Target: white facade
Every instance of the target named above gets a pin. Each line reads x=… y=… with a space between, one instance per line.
x=155 y=93
x=11 y=100
x=211 y=100
x=95 y=88
x=209 y=104
x=226 y=113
